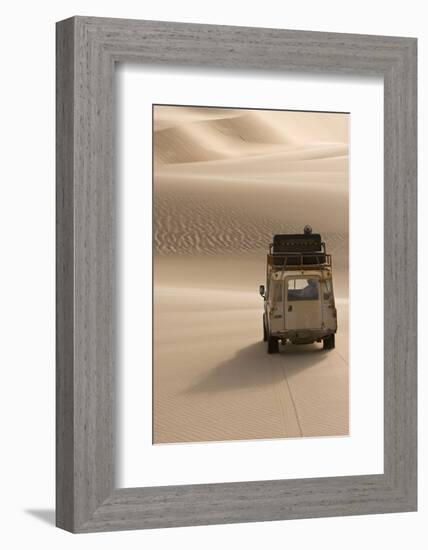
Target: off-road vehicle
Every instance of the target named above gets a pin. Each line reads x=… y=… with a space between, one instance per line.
x=298 y=297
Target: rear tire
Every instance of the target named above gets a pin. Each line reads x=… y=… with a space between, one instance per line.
x=265 y=336
x=273 y=344
x=329 y=342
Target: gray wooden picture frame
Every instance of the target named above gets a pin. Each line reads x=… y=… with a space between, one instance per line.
x=87 y=50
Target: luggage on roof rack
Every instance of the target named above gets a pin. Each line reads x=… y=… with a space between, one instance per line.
x=296 y=250
x=307 y=242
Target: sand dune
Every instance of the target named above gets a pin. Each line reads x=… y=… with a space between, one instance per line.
x=225 y=181
x=223 y=134
x=166 y=116
x=264 y=126
x=219 y=138
x=201 y=226
x=314 y=163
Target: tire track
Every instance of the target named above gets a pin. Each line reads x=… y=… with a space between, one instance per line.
x=286 y=403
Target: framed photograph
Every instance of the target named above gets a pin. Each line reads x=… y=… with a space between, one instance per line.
x=236 y=274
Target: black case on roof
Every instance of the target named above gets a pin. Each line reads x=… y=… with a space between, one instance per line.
x=297 y=243
x=297 y=249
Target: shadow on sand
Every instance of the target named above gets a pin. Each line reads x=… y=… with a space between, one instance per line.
x=252 y=367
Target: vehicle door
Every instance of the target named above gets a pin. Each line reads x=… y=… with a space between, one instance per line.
x=302 y=304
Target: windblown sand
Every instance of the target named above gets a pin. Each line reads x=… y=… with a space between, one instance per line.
x=225 y=181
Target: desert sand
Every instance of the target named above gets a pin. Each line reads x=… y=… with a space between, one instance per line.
x=226 y=180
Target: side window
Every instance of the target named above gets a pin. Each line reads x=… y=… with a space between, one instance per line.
x=302 y=289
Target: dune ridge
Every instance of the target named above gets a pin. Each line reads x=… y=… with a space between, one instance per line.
x=234 y=134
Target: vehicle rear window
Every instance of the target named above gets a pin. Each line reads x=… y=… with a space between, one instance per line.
x=302 y=289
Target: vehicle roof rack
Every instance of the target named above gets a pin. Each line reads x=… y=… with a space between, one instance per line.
x=299 y=259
